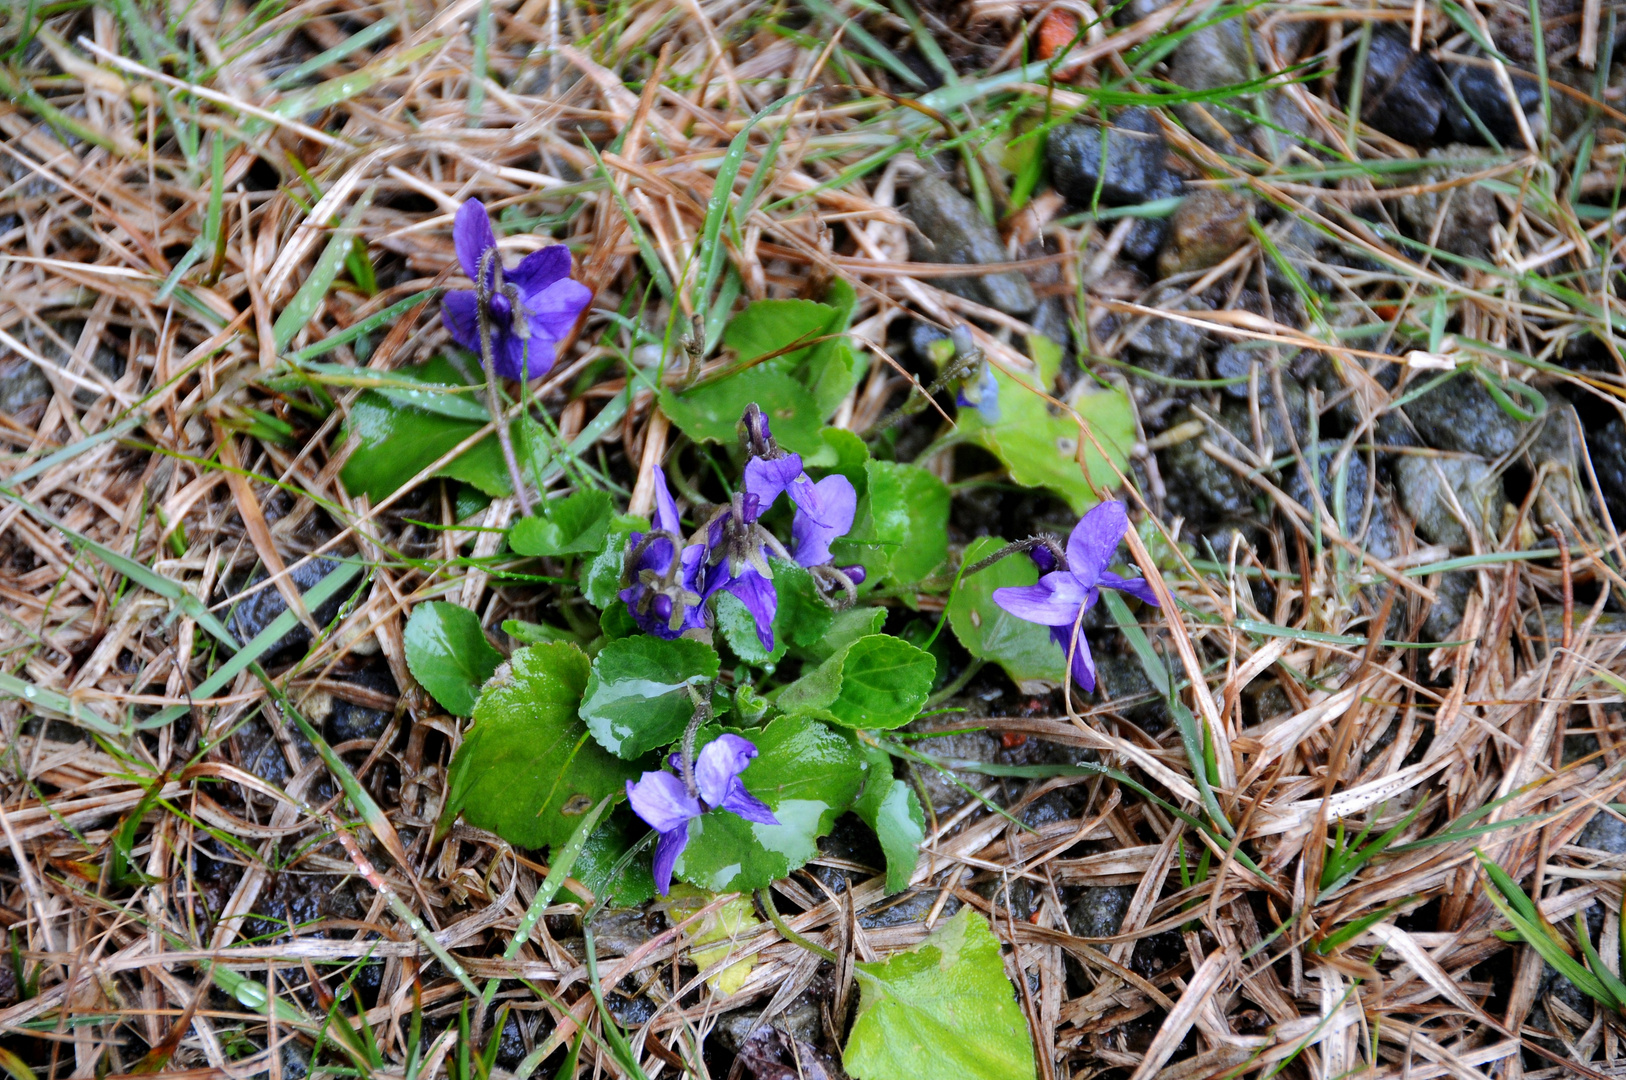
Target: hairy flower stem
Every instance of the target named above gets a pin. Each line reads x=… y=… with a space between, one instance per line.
x=962 y=367
x=1044 y=540
x=702 y=713
x=491 y=267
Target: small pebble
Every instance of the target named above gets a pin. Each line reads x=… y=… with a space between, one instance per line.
x=1209 y=226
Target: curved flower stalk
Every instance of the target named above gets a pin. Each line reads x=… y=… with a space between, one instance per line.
x=528 y=309
x=663 y=576
x=1074 y=583
x=667 y=804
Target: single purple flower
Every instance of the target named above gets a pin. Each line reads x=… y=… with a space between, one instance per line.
x=664 y=594
x=667 y=805
x=982 y=395
x=1063 y=595
x=532 y=306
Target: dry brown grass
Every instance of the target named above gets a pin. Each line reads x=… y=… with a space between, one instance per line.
x=101 y=204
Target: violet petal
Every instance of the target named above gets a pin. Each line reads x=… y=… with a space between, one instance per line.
x=1095 y=539
x=1138 y=587
x=540 y=269
x=812 y=535
x=1054 y=601
x=553 y=310
x=667 y=849
x=460 y=312
x=662 y=801
x=719 y=763
x=472 y=235
x=746 y=805
x=766 y=478
x=760 y=599
x=666 y=511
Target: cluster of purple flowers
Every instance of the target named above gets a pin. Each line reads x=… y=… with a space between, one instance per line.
x=669 y=578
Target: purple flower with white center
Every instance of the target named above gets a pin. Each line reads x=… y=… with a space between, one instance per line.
x=530 y=308
x=740 y=547
x=663 y=592
x=822 y=519
x=667 y=804
x=1063 y=595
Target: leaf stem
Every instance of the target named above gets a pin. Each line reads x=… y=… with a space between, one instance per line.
x=765 y=901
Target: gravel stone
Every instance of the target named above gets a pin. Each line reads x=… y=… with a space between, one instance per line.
x=1422 y=483
x=953 y=230
x=1403 y=94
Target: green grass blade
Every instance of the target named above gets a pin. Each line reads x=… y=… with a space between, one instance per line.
x=354 y=42
x=309 y=297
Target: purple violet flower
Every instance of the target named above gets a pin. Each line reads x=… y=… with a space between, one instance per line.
x=982 y=395
x=532 y=307
x=665 y=599
x=666 y=804
x=1064 y=594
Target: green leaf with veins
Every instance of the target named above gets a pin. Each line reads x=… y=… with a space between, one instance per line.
x=449 y=655
x=601 y=575
x=766 y=326
x=637 y=699
x=527 y=769
x=900 y=532
x=878 y=681
x=396 y=438
x=942 y=1008
x=890 y=807
x=1025 y=650
x=711 y=413
x=575 y=525
x=1039 y=445
x=846 y=627
x=807 y=774
x=595 y=866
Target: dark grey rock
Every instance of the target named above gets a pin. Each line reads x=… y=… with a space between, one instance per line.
x=1607 y=444
x=1099 y=913
x=1221 y=55
x=1122 y=679
x=1422 y=483
x=1565 y=499
x=1464 y=215
x=953 y=230
x=1445 y=614
x=1550 y=624
x=257 y=611
x=1605 y=832
x=1403 y=92
x=801 y=1020
x=1018 y=895
x=1209 y=226
x=1198 y=486
x=1481 y=94
x=22 y=385
x=1381 y=538
x=1168 y=346
x=1237 y=361
x=350 y=721
x=1146 y=236
x=620 y=931
x=1134 y=170
x=909 y=907
x=946 y=796
x=772 y=1054
x=1460 y=414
